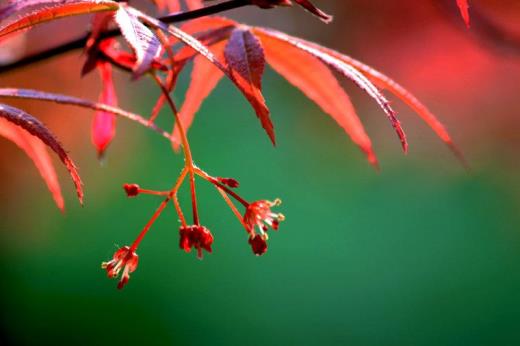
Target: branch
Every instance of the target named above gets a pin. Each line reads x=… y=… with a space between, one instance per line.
x=80 y=42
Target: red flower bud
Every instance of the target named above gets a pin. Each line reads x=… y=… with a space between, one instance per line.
x=131 y=190
x=232 y=183
x=258 y=244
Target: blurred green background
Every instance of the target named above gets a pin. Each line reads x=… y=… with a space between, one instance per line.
x=421 y=253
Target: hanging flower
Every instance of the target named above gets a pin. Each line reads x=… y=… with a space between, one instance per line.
x=124 y=258
x=195 y=236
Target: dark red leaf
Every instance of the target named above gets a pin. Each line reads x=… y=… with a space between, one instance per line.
x=245 y=58
x=36 y=128
x=204 y=51
x=37 y=152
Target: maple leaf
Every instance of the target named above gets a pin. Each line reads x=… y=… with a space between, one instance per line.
x=75 y=101
x=36 y=150
x=252 y=95
x=385 y=82
x=58 y=10
x=317 y=82
x=245 y=58
x=204 y=78
x=303 y=77
x=104 y=123
x=464 y=11
x=145 y=44
x=36 y=128
x=352 y=125
x=12 y=7
x=348 y=71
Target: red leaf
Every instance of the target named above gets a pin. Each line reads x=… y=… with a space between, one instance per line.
x=145 y=44
x=36 y=128
x=35 y=149
x=69 y=100
x=203 y=50
x=104 y=123
x=245 y=57
x=46 y=14
x=12 y=7
x=464 y=11
x=348 y=71
x=204 y=78
x=215 y=29
x=317 y=82
x=384 y=82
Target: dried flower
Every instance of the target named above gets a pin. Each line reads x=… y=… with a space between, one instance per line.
x=125 y=259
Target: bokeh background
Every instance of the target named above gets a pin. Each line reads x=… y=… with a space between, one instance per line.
x=420 y=253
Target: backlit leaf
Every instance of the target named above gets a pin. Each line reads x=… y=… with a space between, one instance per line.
x=384 y=82
x=37 y=152
x=46 y=14
x=36 y=128
x=104 y=123
x=317 y=82
x=204 y=78
x=348 y=71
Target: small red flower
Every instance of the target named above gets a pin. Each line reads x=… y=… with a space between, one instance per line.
x=258 y=244
x=123 y=258
x=259 y=214
x=131 y=190
x=195 y=236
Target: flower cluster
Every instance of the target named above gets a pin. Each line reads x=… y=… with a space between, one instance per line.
x=256 y=219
